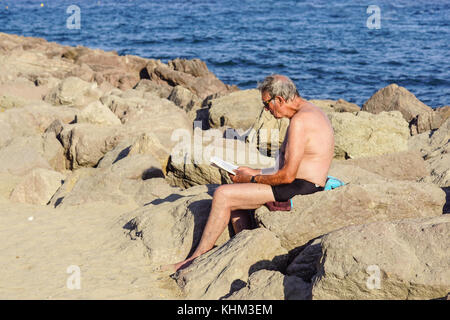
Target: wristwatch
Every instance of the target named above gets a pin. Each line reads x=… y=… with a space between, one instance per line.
x=252 y=180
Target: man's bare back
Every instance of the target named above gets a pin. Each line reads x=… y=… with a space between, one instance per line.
x=319 y=144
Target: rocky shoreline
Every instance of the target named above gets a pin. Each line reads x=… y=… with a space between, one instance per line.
x=104 y=165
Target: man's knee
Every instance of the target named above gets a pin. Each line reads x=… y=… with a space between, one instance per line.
x=223 y=192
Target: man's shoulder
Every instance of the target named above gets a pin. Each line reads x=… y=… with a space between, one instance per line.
x=307 y=112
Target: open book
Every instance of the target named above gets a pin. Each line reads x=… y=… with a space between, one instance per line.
x=229 y=167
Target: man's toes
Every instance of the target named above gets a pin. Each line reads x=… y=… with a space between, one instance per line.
x=164 y=268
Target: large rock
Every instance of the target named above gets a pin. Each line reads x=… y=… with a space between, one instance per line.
x=135 y=180
x=352 y=204
x=354 y=174
x=145 y=143
x=326 y=105
x=189 y=164
x=20 y=92
x=171 y=226
x=8 y=182
x=268 y=133
x=191 y=74
x=273 y=285
x=407 y=165
x=405 y=259
x=225 y=269
x=394 y=97
x=141 y=112
x=440 y=169
x=37 y=187
x=435 y=149
x=341 y=105
x=238 y=110
x=23 y=154
x=186 y=100
x=363 y=134
x=33 y=119
x=85 y=144
x=97 y=113
x=430 y=120
x=32 y=58
x=160 y=89
x=73 y=92
x=122 y=72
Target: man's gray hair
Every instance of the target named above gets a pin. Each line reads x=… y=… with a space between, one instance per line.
x=278 y=85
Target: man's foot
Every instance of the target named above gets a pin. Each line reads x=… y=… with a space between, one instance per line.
x=164 y=268
x=172 y=268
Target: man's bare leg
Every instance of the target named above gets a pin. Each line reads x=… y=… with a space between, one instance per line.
x=226 y=198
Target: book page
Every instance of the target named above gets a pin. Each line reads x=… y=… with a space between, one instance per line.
x=229 y=167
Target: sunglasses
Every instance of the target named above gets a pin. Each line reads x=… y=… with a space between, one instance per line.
x=266 y=103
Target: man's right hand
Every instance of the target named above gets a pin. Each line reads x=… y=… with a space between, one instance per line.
x=248 y=171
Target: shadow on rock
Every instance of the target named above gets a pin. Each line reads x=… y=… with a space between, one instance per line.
x=446 y=208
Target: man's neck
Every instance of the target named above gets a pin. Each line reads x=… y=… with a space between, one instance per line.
x=295 y=106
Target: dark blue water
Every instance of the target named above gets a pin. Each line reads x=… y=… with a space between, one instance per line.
x=324 y=46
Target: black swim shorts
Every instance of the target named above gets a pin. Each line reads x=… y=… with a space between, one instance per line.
x=284 y=192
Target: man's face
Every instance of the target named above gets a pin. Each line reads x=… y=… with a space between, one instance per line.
x=271 y=104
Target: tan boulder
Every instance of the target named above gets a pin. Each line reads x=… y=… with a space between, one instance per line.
x=134 y=180
x=142 y=112
x=363 y=134
x=324 y=104
x=342 y=105
x=28 y=57
x=122 y=72
x=36 y=118
x=37 y=187
x=273 y=285
x=145 y=143
x=320 y=213
x=394 y=97
x=171 y=227
x=223 y=270
x=174 y=74
x=194 y=67
x=329 y=106
x=85 y=144
x=186 y=100
x=238 y=110
x=73 y=92
x=97 y=113
x=406 y=259
x=406 y=165
x=189 y=164
x=6 y=132
x=440 y=169
x=435 y=149
x=162 y=90
x=268 y=133
x=20 y=92
x=353 y=174
x=430 y=120
x=8 y=182
x=23 y=154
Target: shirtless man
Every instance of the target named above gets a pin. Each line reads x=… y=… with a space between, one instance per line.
x=305 y=159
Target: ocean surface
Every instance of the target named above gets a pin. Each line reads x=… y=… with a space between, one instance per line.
x=331 y=49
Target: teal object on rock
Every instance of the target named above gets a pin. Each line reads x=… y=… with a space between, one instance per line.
x=333 y=183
